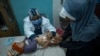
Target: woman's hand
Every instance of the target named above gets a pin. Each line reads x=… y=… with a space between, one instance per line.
x=56 y=40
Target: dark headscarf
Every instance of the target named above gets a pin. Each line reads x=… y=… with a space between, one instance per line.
x=86 y=26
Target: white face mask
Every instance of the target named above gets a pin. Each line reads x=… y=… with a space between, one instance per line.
x=63 y=14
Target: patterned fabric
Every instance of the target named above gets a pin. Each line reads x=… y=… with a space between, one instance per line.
x=33 y=12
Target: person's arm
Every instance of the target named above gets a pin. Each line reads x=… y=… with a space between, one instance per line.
x=67 y=33
x=50 y=27
x=90 y=31
x=28 y=31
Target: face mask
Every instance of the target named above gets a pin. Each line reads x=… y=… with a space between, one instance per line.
x=37 y=22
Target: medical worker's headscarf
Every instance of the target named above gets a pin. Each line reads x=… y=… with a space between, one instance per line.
x=33 y=12
x=86 y=25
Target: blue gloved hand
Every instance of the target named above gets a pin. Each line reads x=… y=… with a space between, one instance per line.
x=53 y=33
x=32 y=36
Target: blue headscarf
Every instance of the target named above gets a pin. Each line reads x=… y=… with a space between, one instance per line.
x=86 y=26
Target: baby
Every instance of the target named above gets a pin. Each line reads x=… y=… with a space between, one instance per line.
x=28 y=46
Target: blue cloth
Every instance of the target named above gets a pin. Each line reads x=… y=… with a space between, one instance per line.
x=87 y=25
x=9 y=41
x=98 y=1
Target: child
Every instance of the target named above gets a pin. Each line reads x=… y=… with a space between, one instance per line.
x=28 y=46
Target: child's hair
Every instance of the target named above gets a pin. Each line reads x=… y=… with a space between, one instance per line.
x=17 y=48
